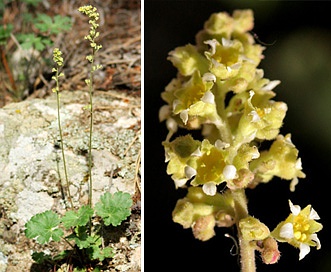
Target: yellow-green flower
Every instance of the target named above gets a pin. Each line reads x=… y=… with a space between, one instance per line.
x=210 y=167
x=225 y=57
x=57 y=57
x=194 y=101
x=177 y=153
x=280 y=160
x=299 y=229
x=188 y=60
x=202 y=212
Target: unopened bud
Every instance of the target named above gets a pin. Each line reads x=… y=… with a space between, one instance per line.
x=203 y=228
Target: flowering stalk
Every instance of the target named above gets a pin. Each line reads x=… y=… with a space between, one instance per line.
x=220 y=90
x=93 y=15
x=58 y=59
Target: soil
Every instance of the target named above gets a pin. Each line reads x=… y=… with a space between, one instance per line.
x=120 y=36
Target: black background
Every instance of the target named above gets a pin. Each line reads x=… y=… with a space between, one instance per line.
x=167 y=246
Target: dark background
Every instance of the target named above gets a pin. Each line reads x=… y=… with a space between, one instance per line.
x=298 y=52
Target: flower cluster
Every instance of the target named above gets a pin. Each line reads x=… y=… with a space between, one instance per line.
x=93 y=14
x=58 y=59
x=225 y=66
x=220 y=90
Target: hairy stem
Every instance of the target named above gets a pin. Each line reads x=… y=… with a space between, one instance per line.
x=247 y=252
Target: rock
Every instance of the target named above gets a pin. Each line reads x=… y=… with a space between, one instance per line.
x=32 y=176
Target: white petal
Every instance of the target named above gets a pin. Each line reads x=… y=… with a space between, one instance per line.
x=209 y=188
x=270 y=85
x=298 y=164
x=313 y=215
x=304 y=250
x=295 y=209
x=167 y=156
x=221 y=145
x=235 y=66
x=208 y=98
x=197 y=153
x=314 y=238
x=212 y=43
x=256 y=153
x=255 y=116
x=229 y=172
x=227 y=43
x=294 y=182
x=180 y=182
x=171 y=124
x=184 y=116
x=164 y=112
x=209 y=77
x=190 y=172
x=286 y=231
x=251 y=94
x=175 y=103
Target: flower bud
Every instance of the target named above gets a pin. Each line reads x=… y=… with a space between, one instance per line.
x=269 y=252
x=203 y=228
x=252 y=229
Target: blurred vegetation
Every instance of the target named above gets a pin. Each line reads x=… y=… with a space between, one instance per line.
x=25 y=35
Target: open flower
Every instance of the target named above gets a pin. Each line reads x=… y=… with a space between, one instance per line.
x=299 y=229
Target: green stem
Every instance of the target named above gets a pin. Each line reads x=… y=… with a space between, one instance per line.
x=91 y=131
x=247 y=252
x=61 y=138
x=90 y=139
x=223 y=125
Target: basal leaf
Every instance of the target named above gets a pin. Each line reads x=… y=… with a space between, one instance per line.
x=44 y=227
x=98 y=253
x=114 y=208
x=79 y=218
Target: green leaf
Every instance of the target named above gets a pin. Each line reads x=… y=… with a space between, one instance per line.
x=82 y=239
x=31 y=41
x=114 y=208
x=79 y=218
x=5 y=32
x=44 y=227
x=41 y=257
x=32 y=2
x=98 y=253
x=54 y=25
